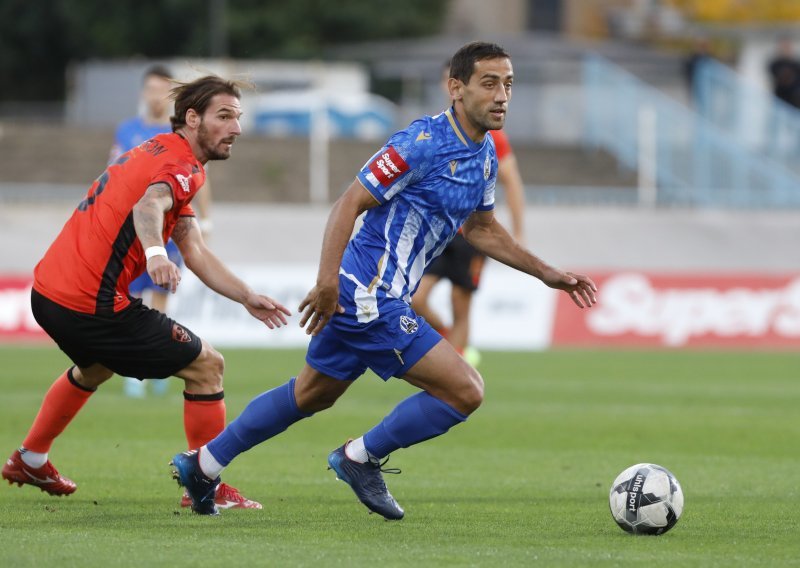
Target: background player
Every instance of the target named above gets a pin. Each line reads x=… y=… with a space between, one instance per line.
x=80 y=291
x=461 y=263
x=428 y=181
x=153 y=118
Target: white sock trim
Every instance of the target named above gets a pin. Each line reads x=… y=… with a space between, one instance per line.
x=210 y=466
x=356 y=451
x=33 y=459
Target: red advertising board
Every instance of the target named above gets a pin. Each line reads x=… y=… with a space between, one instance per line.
x=635 y=309
x=639 y=309
x=16 y=320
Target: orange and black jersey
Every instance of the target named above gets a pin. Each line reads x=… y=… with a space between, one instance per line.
x=501 y=144
x=92 y=261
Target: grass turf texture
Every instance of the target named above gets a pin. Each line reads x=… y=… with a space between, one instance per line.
x=524 y=482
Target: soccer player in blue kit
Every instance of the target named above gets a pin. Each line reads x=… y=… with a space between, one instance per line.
x=425 y=183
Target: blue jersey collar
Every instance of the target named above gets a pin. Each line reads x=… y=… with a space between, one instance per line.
x=468 y=142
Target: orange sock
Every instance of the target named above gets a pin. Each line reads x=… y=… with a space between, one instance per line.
x=203 y=417
x=60 y=405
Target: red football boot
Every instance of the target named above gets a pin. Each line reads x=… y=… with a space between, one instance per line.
x=45 y=478
x=227 y=498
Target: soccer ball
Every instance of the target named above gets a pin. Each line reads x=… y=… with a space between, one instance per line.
x=646 y=499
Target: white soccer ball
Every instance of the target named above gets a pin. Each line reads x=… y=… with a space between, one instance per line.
x=646 y=499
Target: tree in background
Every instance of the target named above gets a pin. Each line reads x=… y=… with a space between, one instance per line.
x=39 y=39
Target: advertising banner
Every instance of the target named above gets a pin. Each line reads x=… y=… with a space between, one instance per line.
x=638 y=309
x=510 y=311
x=16 y=320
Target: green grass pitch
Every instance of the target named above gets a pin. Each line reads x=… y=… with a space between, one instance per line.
x=524 y=482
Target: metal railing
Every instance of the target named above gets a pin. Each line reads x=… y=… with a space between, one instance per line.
x=682 y=159
x=750 y=113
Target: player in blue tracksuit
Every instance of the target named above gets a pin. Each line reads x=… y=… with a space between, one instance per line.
x=425 y=183
x=153 y=119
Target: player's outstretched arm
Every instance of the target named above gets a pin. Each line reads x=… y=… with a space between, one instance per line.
x=322 y=301
x=148 y=222
x=214 y=274
x=488 y=236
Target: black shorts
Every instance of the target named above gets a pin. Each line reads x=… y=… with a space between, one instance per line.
x=460 y=263
x=136 y=342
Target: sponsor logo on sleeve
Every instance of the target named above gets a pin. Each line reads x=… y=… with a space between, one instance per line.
x=184 y=181
x=388 y=166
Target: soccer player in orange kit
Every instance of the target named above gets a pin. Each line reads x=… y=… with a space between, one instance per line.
x=80 y=292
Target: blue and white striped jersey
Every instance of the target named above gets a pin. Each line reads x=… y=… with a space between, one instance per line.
x=428 y=179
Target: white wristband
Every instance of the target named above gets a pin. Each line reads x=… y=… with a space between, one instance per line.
x=155 y=251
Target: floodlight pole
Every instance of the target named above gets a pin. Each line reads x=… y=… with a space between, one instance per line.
x=647 y=160
x=319 y=135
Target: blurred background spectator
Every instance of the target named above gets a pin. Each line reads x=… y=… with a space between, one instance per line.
x=700 y=52
x=152 y=118
x=784 y=70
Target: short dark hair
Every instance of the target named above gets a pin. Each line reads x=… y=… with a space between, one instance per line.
x=157 y=70
x=462 y=64
x=197 y=95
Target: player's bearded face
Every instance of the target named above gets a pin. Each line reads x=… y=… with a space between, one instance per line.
x=214 y=149
x=219 y=127
x=488 y=92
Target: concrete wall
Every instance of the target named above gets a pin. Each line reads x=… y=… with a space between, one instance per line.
x=261 y=169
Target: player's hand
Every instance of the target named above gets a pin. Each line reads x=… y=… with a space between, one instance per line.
x=164 y=273
x=266 y=310
x=581 y=289
x=318 y=308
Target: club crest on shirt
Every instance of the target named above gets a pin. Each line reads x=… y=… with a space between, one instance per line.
x=179 y=334
x=487 y=167
x=408 y=325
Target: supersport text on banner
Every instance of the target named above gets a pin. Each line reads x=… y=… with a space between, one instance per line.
x=650 y=310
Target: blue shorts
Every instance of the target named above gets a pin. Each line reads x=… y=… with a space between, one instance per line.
x=389 y=345
x=144 y=282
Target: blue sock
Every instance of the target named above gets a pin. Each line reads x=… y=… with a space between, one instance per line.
x=418 y=418
x=267 y=415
